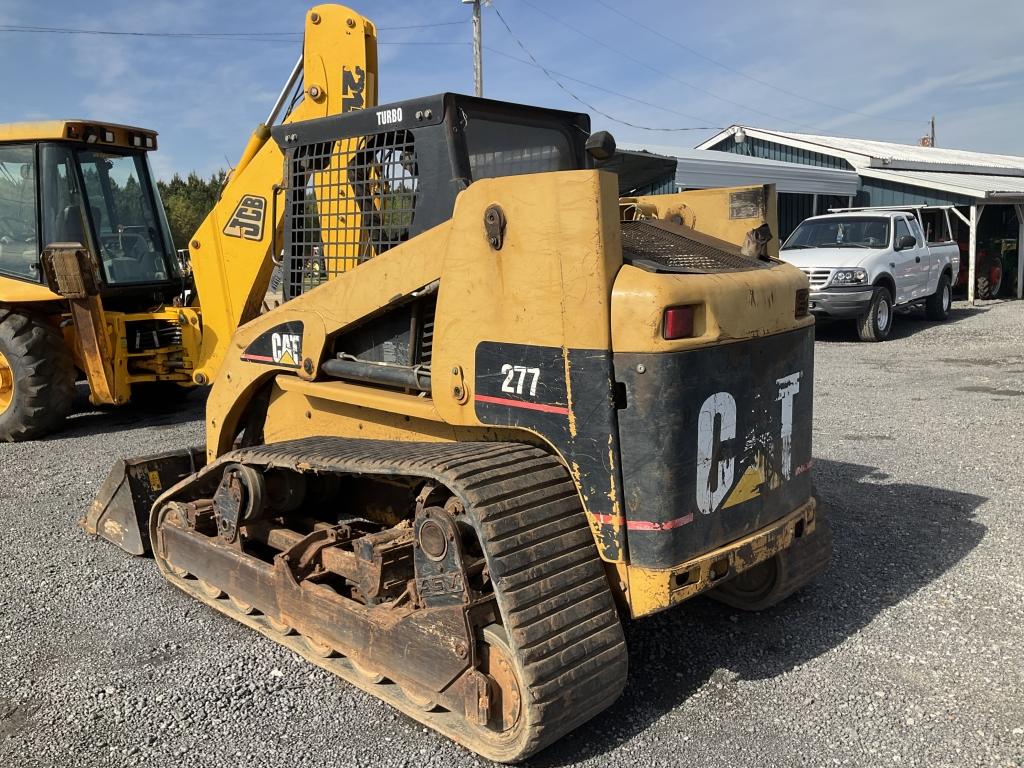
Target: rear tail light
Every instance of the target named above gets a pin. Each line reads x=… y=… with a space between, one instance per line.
x=802 y=299
x=677 y=323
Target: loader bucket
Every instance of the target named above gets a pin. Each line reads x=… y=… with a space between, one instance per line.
x=120 y=511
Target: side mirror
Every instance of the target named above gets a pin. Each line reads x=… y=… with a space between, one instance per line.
x=600 y=145
x=906 y=241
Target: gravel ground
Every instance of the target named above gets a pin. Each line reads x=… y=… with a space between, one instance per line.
x=907 y=652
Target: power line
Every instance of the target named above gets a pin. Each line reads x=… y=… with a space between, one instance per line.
x=740 y=72
x=663 y=73
x=572 y=95
x=564 y=76
x=277 y=37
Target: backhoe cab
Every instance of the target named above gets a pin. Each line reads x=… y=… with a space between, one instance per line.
x=85 y=257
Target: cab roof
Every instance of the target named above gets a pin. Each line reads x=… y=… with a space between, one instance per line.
x=79 y=131
x=873 y=214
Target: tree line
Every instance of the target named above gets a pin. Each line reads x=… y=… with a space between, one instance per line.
x=187 y=201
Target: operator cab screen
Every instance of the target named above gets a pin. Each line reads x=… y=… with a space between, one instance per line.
x=505 y=148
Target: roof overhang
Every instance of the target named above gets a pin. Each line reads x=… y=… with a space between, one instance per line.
x=857 y=159
x=852 y=158
x=983 y=187
x=701 y=169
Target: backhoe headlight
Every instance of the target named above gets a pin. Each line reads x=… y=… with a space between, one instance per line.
x=854 y=276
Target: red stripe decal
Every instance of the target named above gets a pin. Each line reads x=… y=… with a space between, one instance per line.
x=257 y=358
x=803 y=468
x=523 y=404
x=644 y=525
x=647 y=525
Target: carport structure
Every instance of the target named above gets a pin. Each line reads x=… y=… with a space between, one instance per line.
x=901 y=175
x=804 y=190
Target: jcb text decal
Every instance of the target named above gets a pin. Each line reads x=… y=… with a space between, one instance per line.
x=353 y=82
x=247 y=220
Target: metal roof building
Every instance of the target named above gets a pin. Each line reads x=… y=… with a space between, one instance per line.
x=802 y=189
x=899 y=174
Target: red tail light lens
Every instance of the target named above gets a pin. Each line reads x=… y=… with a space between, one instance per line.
x=677 y=323
x=802 y=302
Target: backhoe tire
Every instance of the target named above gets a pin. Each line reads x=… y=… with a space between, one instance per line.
x=769 y=583
x=37 y=378
x=877 y=322
x=936 y=306
x=989 y=279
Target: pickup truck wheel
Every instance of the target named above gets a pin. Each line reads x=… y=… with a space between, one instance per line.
x=936 y=306
x=877 y=322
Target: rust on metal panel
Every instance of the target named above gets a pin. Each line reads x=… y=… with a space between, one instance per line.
x=652 y=590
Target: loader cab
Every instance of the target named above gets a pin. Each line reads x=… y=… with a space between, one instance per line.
x=88 y=183
x=360 y=183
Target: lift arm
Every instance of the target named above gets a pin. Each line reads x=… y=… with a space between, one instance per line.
x=232 y=252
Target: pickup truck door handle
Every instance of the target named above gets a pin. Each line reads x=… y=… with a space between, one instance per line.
x=917 y=259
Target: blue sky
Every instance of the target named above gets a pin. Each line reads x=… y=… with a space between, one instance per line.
x=888 y=65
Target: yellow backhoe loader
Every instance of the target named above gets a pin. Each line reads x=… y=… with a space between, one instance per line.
x=89 y=280
x=499 y=409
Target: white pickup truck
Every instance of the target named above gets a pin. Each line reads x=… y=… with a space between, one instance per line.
x=865 y=263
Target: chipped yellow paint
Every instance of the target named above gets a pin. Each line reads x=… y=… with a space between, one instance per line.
x=568 y=393
x=709 y=211
x=751 y=482
x=652 y=590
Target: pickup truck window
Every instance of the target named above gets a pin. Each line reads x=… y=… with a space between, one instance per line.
x=902 y=229
x=847 y=232
x=936 y=229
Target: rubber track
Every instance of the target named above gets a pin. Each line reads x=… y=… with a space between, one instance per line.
x=549 y=582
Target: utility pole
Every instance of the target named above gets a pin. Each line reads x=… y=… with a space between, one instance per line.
x=478 y=61
x=933 y=131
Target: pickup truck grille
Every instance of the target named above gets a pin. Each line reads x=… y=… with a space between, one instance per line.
x=819 y=277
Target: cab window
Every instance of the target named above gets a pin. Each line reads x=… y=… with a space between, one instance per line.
x=19 y=244
x=500 y=148
x=901 y=230
x=936 y=229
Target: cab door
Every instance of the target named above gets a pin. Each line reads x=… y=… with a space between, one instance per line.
x=19 y=213
x=909 y=264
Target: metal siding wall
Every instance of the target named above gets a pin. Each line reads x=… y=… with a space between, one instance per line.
x=663 y=186
x=880 y=192
x=793 y=208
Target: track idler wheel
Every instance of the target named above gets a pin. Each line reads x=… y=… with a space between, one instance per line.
x=498 y=663
x=769 y=583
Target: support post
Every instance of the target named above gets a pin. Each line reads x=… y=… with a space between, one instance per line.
x=1020 y=250
x=478 y=62
x=972 y=254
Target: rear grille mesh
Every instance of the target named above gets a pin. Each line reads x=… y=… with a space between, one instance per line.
x=668 y=247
